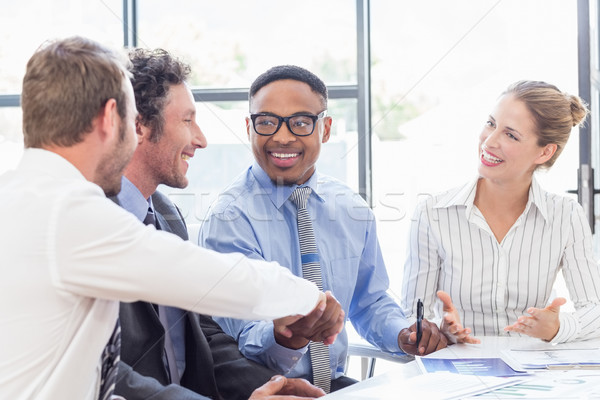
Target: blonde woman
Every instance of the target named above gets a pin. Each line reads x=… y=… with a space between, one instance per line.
x=491 y=249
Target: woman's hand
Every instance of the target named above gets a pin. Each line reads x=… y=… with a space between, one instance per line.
x=543 y=322
x=451 y=325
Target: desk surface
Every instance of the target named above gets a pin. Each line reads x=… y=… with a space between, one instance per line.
x=490 y=346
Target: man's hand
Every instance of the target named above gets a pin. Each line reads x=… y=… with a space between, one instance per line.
x=543 y=322
x=323 y=324
x=451 y=326
x=282 y=388
x=431 y=340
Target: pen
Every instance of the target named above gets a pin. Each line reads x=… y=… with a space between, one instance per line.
x=419 y=320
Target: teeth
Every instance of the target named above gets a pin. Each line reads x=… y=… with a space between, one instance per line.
x=185 y=157
x=490 y=158
x=285 y=155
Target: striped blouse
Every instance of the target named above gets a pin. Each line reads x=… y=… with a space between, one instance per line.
x=491 y=284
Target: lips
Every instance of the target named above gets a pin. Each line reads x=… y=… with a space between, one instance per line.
x=490 y=159
x=285 y=156
x=284 y=159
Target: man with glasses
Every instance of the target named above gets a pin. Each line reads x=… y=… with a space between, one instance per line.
x=166 y=352
x=282 y=210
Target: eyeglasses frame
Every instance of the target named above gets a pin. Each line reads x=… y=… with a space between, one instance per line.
x=281 y=120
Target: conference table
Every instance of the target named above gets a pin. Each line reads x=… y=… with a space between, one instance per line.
x=552 y=384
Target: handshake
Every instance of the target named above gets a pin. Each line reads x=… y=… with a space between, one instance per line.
x=323 y=324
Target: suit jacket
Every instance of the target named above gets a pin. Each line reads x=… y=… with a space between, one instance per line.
x=214 y=366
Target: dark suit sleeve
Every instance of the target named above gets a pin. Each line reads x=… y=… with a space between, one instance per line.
x=134 y=386
x=236 y=376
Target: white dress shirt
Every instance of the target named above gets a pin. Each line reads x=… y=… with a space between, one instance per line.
x=491 y=284
x=68 y=255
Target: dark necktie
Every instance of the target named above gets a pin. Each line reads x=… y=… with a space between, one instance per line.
x=110 y=360
x=311 y=270
x=162 y=316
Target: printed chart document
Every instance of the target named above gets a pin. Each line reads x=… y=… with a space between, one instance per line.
x=551 y=385
x=494 y=366
x=555 y=358
x=435 y=386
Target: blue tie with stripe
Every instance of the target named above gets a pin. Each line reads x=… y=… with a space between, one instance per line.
x=311 y=270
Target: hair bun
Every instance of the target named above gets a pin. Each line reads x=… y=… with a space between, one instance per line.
x=579 y=109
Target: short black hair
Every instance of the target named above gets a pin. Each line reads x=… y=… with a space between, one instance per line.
x=293 y=72
x=153 y=73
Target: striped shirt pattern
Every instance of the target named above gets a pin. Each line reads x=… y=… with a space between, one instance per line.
x=491 y=284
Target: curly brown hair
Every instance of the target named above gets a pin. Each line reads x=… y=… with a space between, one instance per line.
x=154 y=72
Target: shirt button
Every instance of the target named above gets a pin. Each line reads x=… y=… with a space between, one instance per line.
x=294 y=358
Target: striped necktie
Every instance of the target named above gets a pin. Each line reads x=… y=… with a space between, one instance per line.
x=110 y=360
x=311 y=270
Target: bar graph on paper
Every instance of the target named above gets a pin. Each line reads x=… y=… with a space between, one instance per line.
x=551 y=385
x=468 y=366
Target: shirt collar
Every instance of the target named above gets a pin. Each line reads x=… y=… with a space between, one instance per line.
x=461 y=196
x=465 y=196
x=131 y=199
x=537 y=197
x=278 y=194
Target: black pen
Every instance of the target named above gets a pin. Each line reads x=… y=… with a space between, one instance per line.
x=419 y=320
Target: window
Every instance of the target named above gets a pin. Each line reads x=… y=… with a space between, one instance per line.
x=435 y=81
x=25 y=26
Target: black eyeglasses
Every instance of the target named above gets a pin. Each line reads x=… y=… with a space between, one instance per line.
x=266 y=124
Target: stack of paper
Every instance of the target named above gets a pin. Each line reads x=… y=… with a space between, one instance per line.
x=554 y=358
x=436 y=386
x=552 y=385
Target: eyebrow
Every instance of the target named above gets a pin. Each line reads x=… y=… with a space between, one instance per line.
x=508 y=127
x=291 y=115
x=514 y=130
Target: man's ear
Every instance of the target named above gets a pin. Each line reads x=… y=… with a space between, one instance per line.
x=108 y=121
x=248 y=126
x=326 y=129
x=142 y=131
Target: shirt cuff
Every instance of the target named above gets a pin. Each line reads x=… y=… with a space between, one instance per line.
x=568 y=328
x=390 y=340
x=284 y=358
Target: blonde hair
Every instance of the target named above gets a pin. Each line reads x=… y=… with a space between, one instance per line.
x=555 y=113
x=66 y=85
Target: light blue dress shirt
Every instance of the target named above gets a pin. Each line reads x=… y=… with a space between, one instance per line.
x=255 y=217
x=132 y=200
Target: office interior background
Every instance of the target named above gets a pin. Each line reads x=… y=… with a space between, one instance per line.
x=411 y=83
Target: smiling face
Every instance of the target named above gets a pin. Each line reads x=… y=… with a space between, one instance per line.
x=288 y=159
x=167 y=159
x=508 y=144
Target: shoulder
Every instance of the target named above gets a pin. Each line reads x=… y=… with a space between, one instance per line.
x=236 y=196
x=558 y=205
x=163 y=205
x=331 y=188
x=340 y=198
